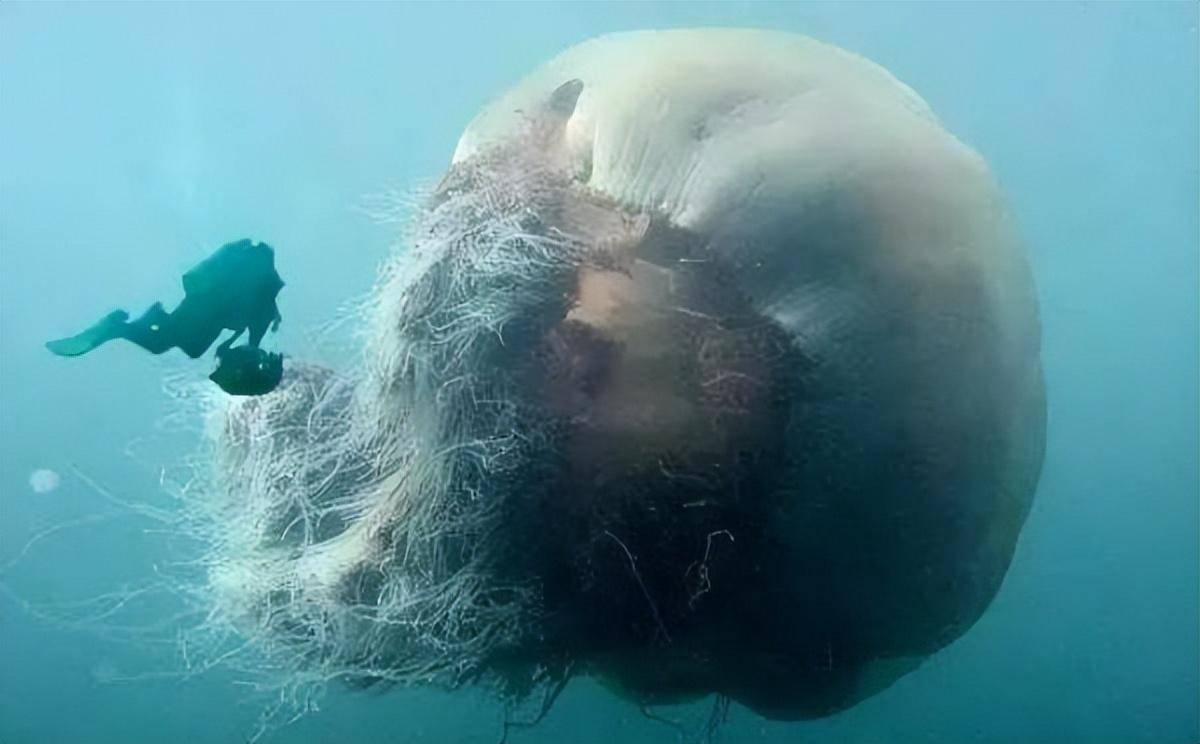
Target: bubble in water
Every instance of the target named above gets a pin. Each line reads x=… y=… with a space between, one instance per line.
x=43 y=480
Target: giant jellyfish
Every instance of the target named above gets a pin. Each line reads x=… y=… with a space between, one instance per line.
x=710 y=366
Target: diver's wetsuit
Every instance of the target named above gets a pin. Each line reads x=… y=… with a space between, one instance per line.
x=234 y=289
x=158 y=331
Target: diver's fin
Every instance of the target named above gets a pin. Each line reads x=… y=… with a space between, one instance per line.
x=109 y=327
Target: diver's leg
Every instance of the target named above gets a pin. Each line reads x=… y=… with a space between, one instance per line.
x=109 y=327
x=224 y=347
x=196 y=324
x=198 y=341
x=153 y=331
x=257 y=331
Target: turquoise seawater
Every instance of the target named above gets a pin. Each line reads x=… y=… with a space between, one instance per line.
x=135 y=138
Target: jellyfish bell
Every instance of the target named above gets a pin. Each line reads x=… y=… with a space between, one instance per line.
x=711 y=366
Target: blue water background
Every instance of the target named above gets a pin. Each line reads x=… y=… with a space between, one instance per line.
x=136 y=138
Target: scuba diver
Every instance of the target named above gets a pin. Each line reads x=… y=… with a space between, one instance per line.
x=234 y=289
